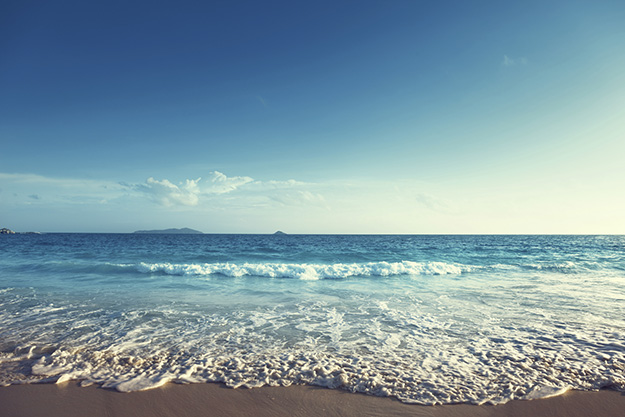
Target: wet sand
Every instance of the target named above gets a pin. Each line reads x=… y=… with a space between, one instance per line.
x=69 y=400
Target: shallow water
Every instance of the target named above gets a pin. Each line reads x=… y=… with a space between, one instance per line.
x=427 y=319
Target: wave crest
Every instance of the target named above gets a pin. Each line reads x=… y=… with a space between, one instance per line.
x=308 y=271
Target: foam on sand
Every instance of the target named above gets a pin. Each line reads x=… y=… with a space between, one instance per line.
x=375 y=349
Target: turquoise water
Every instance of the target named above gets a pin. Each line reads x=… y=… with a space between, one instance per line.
x=427 y=319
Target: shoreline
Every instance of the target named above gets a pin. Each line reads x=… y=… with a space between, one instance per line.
x=213 y=399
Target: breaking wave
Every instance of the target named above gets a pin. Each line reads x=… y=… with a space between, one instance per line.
x=309 y=271
x=346 y=270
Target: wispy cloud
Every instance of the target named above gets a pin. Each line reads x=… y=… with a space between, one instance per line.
x=220 y=183
x=434 y=203
x=511 y=62
x=26 y=179
x=26 y=188
x=299 y=198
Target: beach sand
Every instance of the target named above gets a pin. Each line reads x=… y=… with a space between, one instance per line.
x=69 y=400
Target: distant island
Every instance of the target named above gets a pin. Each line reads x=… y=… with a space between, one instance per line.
x=183 y=231
x=280 y=233
x=5 y=231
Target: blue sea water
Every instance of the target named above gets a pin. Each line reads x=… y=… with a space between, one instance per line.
x=426 y=319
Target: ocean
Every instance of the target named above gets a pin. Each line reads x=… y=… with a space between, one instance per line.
x=425 y=319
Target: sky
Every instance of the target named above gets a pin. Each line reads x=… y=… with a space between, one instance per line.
x=313 y=117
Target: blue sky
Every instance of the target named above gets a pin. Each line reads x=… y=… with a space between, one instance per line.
x=313 y=117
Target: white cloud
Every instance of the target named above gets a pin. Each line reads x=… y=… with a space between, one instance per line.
x=166 y=193
x=223 y=191
x=221 y=184
x=189 y=192
x=283 y=184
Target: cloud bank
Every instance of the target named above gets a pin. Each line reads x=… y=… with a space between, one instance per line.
x=223 y=204
x=214 y=191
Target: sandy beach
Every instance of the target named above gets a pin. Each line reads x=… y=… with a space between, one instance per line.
x=70 y=400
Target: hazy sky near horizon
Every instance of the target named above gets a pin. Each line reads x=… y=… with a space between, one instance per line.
x=313 y=117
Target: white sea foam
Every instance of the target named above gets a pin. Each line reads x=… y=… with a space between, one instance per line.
x=309 y=271
x=512 y=317
x=312 y=271
x=384 y=349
